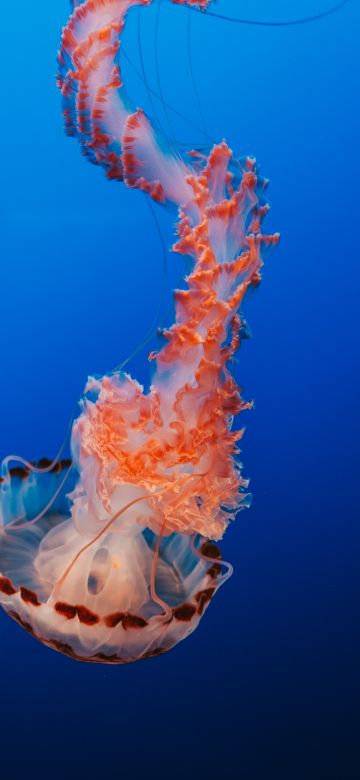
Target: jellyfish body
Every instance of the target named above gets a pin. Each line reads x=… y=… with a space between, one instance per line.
x=102 y=610
x=122 y=568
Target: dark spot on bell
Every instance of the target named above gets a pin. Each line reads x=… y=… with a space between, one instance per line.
x=106 y=659
x=87 y=617
x=20 y=472
x=43 y=463
x=203 y=597
x=214 y=571
x=185 y=612
x=132 y=621
x=62 y=647
x=6 y=586
x=23 y=623
x=211 y=550
x=113 y=620
x=154 y=653
x=67 y=610
x=62 y=465
x=30 y=597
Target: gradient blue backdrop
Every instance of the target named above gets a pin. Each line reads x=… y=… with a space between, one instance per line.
x=268 y=687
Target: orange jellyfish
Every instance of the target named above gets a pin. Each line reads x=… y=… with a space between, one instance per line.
x=111 y=557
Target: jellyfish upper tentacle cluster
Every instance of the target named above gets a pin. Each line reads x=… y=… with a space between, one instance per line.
x=113 y=573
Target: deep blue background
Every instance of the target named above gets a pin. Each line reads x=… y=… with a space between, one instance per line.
x=268 y=687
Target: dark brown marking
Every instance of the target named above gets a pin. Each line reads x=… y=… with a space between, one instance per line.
x=211 y=550
x=87 y=617
x=203 y=597
x=107 y=659
x=214 y=571
x=30 y=597
x=113 y=620
x=66 y=463
x=185 y=612
x=62 y=647
x=154 y=653
x=19 y=471
x=132 y=621
x=61 y=465
x=43 y=463
x=66 y=610
x=6 y=586
x=22 y=622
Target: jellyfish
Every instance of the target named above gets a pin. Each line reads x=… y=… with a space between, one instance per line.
x=112 y=556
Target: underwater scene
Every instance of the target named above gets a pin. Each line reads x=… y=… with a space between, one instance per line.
x=179 y=522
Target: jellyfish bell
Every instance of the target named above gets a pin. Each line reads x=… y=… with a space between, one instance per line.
x=116 y=597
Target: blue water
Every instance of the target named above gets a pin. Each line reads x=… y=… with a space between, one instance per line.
x=268 y=687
